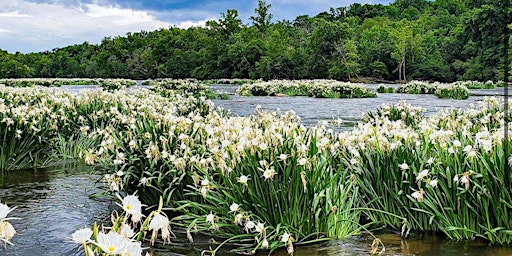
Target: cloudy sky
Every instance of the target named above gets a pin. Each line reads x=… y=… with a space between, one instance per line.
x=40 y=25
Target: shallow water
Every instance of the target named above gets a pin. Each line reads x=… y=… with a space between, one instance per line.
x=54 y=202
x=312 y=110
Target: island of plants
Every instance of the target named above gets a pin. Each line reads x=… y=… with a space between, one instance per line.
x=455 y=90
x=107 y=84
x=267 y=181
x=310 y=88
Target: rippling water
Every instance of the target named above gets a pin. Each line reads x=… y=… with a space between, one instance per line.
x=54 y=202
x=312 y=110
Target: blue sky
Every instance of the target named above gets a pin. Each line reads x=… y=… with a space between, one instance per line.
x=40 y=25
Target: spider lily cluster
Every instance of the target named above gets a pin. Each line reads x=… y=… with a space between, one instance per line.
x=266 y=181
x=107 y=84
x=121 y=238
x=456 y=90
x=310 y=88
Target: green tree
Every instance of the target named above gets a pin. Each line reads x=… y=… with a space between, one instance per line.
x=263 y=17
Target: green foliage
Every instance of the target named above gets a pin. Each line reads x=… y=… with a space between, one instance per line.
x=384 y=89
x=406 y=40
x=440 y=173
x=452 y=91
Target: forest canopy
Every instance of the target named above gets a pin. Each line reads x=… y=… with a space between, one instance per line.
x=441 y=40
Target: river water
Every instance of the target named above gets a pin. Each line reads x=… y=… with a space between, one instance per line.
x=54 y=202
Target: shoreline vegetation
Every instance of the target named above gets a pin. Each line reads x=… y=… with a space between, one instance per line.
x=402 y=41
x=266 y=181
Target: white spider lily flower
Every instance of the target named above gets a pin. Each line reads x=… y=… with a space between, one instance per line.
x=418 y=195
x=422 y=175
x=204 y=191
x=302 y=161
x=136 y=217
x=210 y=218
x=269 y=173
x=234 y=207
x=238 y=218
x=161 y=223
x=4 y=210
x=7 y=231
x=464 y=179
x=285 y=238
x=81 y=236
x=259 y=227
x=433 y=183
x=127 y=231
x=131 y=204
x=264 y=244
x=112 y=243
x=133 y=248
x=243 y=179
x=249 y=225
x=403 y=166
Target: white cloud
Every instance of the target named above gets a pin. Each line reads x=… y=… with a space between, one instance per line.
x=31 y=26
x=44 y=26
x=189 y=24
x=14 y=14
x=118 y=15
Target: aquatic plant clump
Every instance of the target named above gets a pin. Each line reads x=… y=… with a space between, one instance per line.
x=441 y=172
x=234 y=81
x=47 y=82
x=452 y=91
x=310 y=88
x=106 y=84
x=190 y=87
x=477 y=84
x=38 y=123
x=457 y=90
x=267 y=181
x=127 y=230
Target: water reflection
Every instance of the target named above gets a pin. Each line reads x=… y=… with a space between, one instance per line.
x=421 y=244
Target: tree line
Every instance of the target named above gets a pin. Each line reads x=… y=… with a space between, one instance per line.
x=441 y=40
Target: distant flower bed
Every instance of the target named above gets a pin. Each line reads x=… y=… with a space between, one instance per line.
x=236 y=81
x=456 y=90
x=107 y=84
x=310 y=88
x=190 y=87
x=477 y=84
x=47 y=82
